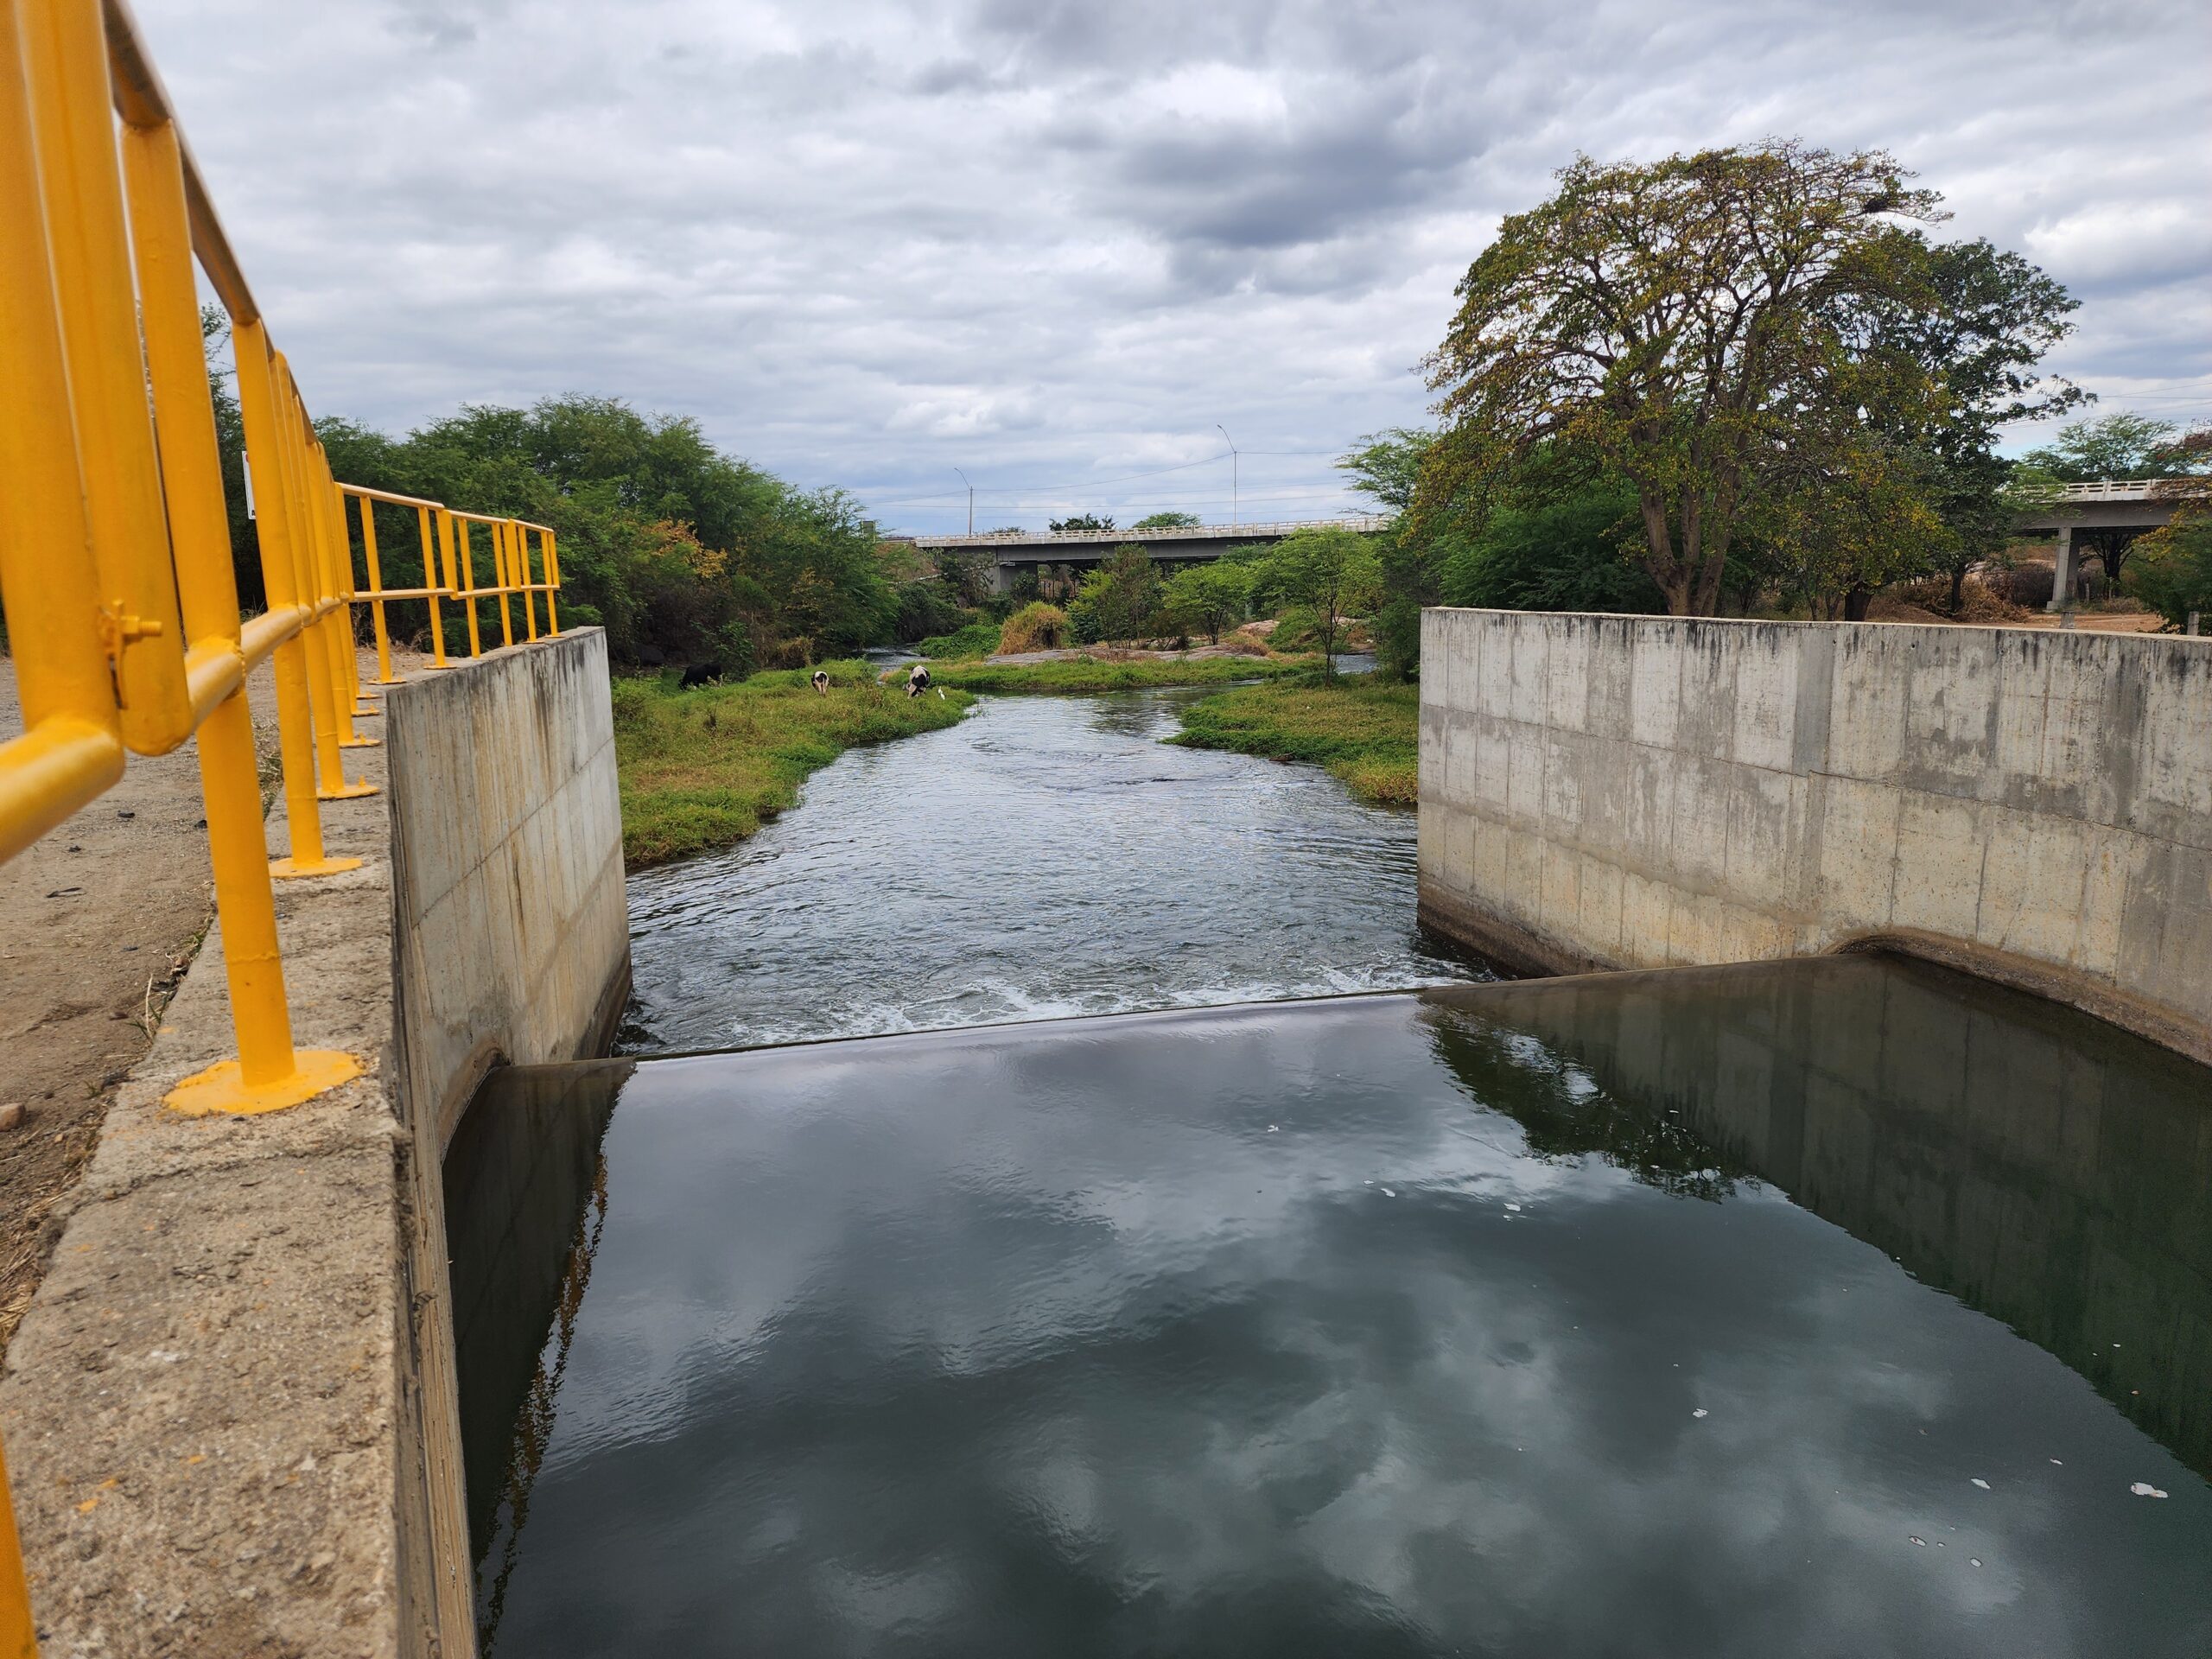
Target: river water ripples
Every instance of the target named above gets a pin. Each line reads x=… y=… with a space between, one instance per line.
x=1048 y=857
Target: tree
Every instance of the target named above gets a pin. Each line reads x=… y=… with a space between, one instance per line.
x=2173 y=566
x=1387 y=466
x=1680 y=320
x=1330 y=570
x=2116 y=445
x=1081 y=523
x=1974 y=332
x=1209 y=597
x=1572 y=552
x=1117 y=598
x=1163 y=521
x=2173 y=575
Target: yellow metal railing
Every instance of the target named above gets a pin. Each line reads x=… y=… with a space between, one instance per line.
x=115 y=557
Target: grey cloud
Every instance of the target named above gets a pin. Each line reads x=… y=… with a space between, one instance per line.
x=823 y=226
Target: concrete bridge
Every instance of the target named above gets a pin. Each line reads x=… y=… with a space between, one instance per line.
x=1083 y=548
x=2119 y=508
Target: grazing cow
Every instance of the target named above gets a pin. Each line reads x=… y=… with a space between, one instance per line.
x=918 y=681
x=700 y=674
x=651 y=657
x=822 y=681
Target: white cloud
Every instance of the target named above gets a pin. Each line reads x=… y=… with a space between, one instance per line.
x=867 y=242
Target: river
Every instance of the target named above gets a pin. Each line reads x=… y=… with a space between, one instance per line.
x=1047 y=856
x=1842 y=1307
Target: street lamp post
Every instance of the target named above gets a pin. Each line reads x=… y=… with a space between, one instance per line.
x=1223 y=430
x=971 y=501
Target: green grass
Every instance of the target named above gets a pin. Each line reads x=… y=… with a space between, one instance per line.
x=1084 y=674
x=1366 y=732
x=706 y=768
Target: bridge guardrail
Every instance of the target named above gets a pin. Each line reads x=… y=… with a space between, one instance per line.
x=115 y=555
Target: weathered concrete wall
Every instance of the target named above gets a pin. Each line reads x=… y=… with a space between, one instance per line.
x=1632 y=792
x=510 y=941
x=512 y=938
x=230 y=1414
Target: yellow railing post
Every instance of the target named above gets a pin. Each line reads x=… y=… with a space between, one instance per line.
x=552 y=579
x=72 y=746
x=529 y=591
x=268 y=1073
x=337 y=579
x=503 y=565
x=18 y=1632
x=66 y=67
x=465 y=553
x=280 y=574
x=384 y=675
x=431 y=580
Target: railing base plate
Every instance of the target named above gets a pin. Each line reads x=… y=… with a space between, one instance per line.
x=288 y=869
x=346 y=791
x=222 y=1088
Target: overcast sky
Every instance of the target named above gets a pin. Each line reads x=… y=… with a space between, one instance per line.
x=1055 y=244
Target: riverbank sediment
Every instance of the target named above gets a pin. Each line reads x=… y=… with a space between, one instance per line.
x=706 y=768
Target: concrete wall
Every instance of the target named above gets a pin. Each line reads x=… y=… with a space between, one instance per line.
x=230 y=1414
x=510 y=942
x=1628 y=791
x=510 y=936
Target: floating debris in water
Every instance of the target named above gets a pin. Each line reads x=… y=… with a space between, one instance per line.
x=1700 y=1412
x=1922 y=1542
x=1388 y=1193
x=1974 y=1559
x=2060 y=1465
x=1271 y=1129
x=2145 y=1489
x=1979 y=1482
x=1514 y=1207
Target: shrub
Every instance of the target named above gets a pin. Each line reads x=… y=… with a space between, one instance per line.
x=2171 y=571
x=1117 y=600
x=1035 y=627
x=978 y=638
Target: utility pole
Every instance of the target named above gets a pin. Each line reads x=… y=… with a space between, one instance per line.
x=971 y=501
x=1223 y=430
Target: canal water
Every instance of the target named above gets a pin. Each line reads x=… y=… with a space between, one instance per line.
x=1047 y=856
x=1836 y=1308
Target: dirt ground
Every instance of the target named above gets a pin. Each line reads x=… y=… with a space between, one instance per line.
x=98 y=922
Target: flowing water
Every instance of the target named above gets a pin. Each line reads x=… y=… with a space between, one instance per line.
x=1842 y=1307
x=1047 y=856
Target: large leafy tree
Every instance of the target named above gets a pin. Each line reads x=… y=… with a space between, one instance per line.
x=2120 y=445
x=1971 y=335
x=1209 y=596
x=1681 y=321
x=1332 y=571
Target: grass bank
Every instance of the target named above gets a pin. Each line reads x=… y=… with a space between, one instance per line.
x=1077 y=675
x=706 y=768
x=1366 y=732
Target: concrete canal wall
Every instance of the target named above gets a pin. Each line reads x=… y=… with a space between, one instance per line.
x=2035 y=807
x=230 y=1414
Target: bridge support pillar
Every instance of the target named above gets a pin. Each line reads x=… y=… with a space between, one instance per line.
x=2062 y=575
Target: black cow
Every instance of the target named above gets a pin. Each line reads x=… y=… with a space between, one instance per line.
x=918 y=681
x=700 y=674
x=651 y=657
x=822 y=681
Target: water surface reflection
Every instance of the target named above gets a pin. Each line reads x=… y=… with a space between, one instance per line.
x=1482 y=1320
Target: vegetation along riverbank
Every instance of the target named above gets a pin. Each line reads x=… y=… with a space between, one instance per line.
x=704 y=768
x=1365 y=730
